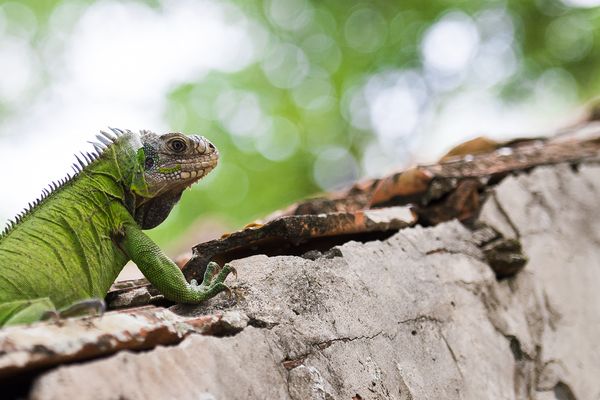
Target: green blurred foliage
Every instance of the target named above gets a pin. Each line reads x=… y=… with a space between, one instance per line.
x=268 y=185
x=333 y=47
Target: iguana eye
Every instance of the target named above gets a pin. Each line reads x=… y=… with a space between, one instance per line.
x=178 y=145
x=148 y=163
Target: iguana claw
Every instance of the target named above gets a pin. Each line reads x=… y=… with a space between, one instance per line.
x=233 y=271
x=230 y=293
x=213 y=284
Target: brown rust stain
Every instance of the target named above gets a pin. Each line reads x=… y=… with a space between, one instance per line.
x=482 y=159
x=402 y=187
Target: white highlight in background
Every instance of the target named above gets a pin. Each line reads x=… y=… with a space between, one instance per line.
x=115 y=67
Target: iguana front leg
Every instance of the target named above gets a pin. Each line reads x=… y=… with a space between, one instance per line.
x=164 y=274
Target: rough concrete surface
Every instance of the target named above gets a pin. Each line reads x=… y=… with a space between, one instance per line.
x=417 y=316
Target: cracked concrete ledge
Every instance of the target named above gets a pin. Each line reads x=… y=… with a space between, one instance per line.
x=48 y=344
x=420 y=315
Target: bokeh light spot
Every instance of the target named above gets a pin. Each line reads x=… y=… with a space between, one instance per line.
x=365 y=30
x=323 y=50
x=285 y=66
x=239 y=112
x=280 y=141
x=314 y=94
x=124 y=51
x=355 y=108
x=395 y=99
x=233 y=185
x=201 y=105
x=557 y=89
x=19 y=20
x=570 y=38
x=17 y=69
x=582 y=3
x=334 y=167
x=449 y=45
x=289 y=14
x=496 y=60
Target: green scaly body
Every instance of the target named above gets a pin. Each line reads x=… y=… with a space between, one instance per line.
x=71 y=245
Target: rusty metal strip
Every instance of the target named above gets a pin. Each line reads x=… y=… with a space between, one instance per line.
x=523 y=157
x=288 y=234
x=479 y=158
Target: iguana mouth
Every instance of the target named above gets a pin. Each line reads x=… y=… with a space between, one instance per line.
x=197 y=169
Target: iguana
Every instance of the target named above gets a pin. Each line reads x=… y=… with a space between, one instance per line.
x=65 y=251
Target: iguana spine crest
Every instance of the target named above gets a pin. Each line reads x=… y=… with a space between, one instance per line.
x=105 y=140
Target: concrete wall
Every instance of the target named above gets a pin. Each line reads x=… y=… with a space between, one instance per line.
x=417 y=316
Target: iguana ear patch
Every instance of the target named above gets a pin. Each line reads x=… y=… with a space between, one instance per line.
x=148 y=158
x=148 y=163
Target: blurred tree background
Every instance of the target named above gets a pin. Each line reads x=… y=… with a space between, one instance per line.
x=299 y=96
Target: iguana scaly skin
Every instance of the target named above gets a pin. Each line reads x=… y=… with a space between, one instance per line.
x=70 y=245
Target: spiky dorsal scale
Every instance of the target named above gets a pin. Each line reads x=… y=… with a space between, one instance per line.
x=99 y=150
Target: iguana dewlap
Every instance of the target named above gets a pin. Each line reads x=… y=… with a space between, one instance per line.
x=72 y=243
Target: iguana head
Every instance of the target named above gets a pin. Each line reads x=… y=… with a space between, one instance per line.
x=167 y=164
x=174 y=160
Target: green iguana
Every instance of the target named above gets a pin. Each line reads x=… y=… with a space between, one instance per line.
x=64 y=252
